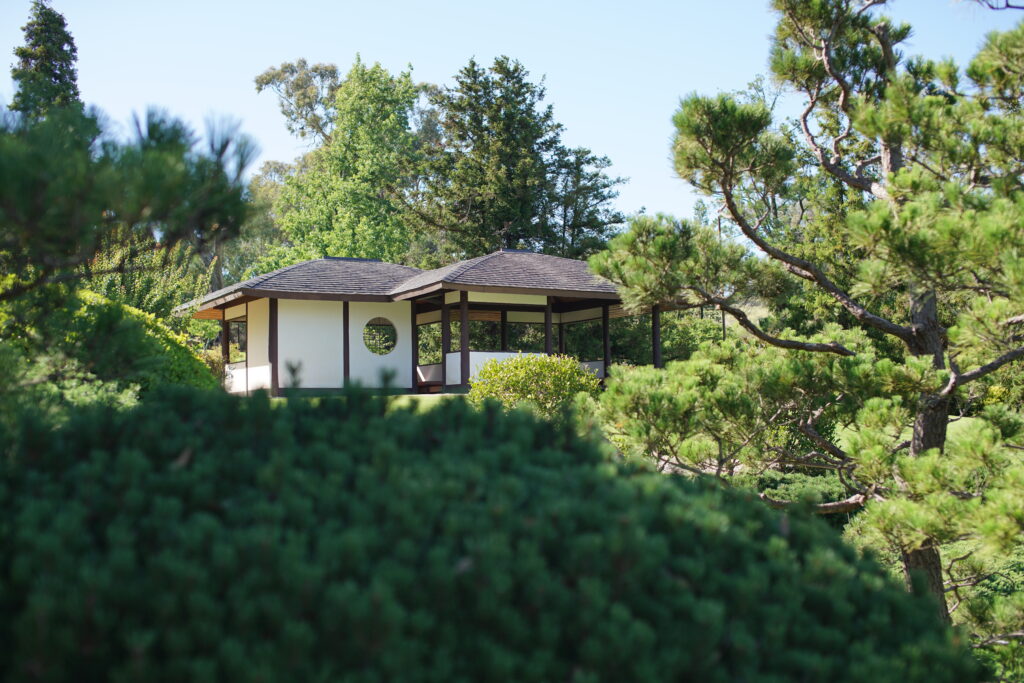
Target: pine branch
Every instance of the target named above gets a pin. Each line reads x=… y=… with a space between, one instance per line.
x=957 y=379
x=813 y=273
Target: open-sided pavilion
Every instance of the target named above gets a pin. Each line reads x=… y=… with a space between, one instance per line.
x=326 y=323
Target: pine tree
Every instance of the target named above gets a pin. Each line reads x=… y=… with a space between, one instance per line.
x=45 y=74
x=933 y=159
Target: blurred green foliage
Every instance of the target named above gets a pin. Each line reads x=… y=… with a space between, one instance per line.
x=200 y=536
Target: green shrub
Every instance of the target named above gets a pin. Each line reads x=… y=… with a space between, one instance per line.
x=206 y=537
x=548 y=384
x=128 y=346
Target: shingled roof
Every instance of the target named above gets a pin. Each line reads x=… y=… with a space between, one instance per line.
x=371 y=280
x=508 y=269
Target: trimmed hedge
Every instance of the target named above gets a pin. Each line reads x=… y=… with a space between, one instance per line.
x=205 y=537
x=548 y=384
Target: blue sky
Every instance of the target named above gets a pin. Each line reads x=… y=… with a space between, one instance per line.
x=614 y=71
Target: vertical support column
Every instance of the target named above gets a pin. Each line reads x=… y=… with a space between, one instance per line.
x=225 y=342
x=561 y=338
x=446 y=340
x=464 y=338
x=415 y=338
x=656 y=335
x=606 y=340
x=246 y=348
x=272 y=349
x=346 y=366
x=504 y=330
x=548 y=346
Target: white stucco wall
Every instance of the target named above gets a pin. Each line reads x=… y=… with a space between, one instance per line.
x=498 y=298
x=234 y=312
x=310 y=336
x=258 y=349
x=365 y=367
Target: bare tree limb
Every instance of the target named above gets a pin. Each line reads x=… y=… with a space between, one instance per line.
x=850 y=504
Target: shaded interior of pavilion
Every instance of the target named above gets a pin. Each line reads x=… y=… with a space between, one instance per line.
x=454 y=339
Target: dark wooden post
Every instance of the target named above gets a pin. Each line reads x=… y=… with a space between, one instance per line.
x=345 y=337
x=415 y=338
x=246 y=348
x=504 y=330
x=225 y=341
x=464 y=338
x=272 y=350
x=656 y=335
x=548 y=346
x=606 y=340
x=561 y=338
x=446 y=340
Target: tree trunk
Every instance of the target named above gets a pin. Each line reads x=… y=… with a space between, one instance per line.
x=930 y=424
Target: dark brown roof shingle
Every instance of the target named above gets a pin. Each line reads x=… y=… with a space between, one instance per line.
x=517 y=270
x=351 y=277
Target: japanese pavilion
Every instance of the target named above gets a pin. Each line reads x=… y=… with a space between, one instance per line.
x=325 y=323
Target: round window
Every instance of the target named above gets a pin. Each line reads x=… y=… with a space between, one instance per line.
x=380 y=336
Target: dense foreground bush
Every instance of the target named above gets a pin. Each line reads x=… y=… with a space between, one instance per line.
x=547 y=384
x=205 y=537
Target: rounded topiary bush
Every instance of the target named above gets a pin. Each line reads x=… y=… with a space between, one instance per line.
x=204 y=537
x=548 y=384
x=128 y=346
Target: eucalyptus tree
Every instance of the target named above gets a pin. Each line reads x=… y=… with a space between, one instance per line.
x=928 y=256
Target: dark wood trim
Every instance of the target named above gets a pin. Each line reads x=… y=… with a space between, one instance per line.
x=561 y=338
x=345 y=337
x=548 y=345
x=446 y=343
x=419 y=291
x=606 y=339
x=247 y=347
x=225 y=342
x=415 y=339
x=499 y=289
x=504 y=330
x=272 y=348
x=656 y=336
x=464 y=338
x=313 y=296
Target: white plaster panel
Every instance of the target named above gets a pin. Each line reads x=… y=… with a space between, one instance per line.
x=259 y=377
x=365 y=367
x=310 y=335
x=499 y=298
x=529 y=317
x=234 y=312
x=579 y=316
x=428 y=317
x=258 y=330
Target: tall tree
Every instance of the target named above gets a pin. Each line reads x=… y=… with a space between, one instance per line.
x=936 y=161
x=500 y=177
x=579 y=205
x=305 y=94
x=45 y=74
x=338 y=201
